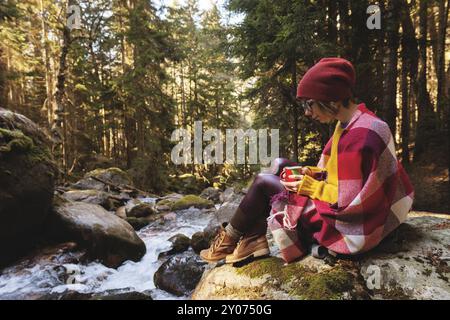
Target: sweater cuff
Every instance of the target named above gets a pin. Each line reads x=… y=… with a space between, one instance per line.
x=308 y=186
x=318 y=173
x=315 y=170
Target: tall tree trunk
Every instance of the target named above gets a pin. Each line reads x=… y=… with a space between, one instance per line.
x=442 y=98
x=49 y=103
x=390 y=71
x=426 y=123
x=3 y=95
x=183 y=97
x=60 y=122
x=405 y=104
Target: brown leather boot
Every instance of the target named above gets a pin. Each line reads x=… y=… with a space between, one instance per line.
x=250 y=246
x=222 y=246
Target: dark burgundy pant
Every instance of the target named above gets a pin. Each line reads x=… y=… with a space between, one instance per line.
x=250 y=217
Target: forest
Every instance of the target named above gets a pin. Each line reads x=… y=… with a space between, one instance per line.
x=111 y=91
x=108 y=82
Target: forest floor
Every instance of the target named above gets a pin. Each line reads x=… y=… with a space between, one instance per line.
x=430 y=177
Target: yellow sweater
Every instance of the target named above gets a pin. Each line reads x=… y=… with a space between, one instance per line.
x=324 y=190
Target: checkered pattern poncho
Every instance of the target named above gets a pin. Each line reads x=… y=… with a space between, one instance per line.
x=374 y=196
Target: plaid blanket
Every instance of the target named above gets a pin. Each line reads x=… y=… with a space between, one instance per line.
x=374 y=196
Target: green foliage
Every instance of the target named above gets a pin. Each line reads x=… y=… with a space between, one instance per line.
x=135 y=73
x=275 y=41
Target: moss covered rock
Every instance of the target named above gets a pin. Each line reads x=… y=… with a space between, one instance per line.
x=411 y=263
x=270 y=278
x=27 y=175
x=112 y=175
x=304 y=280
x=186 y=202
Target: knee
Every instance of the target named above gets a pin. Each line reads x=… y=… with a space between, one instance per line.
x=279 y=164
x=267 y=184
x=261 y=180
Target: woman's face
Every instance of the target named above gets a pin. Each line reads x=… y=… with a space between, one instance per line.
x=313 y=111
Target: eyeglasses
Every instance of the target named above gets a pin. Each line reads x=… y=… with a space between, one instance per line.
x=307 y=105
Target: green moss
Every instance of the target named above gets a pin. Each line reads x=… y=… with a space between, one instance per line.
x=327 y=285
x=305 y=283
x=165 y=202
x=190 y=201
x=256 y=269
x=113 y=171
x=17 y=143
x=14 y=141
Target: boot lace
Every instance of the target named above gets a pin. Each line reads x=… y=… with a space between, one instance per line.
x=217 y=241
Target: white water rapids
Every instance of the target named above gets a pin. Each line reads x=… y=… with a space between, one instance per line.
x=40 y=277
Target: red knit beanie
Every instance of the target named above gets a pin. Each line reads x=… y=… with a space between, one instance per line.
x=331 y=79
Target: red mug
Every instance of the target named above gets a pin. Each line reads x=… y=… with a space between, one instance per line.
x=288 y=171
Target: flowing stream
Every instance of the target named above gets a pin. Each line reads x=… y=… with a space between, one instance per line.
x=41 y=277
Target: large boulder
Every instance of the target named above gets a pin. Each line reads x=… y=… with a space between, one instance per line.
x=180 y=274
x=102 y=179
x=163 y=203
x=106 y=236
x=411 y=263
x=109 y=201
x=89 y=196
x=27 y=176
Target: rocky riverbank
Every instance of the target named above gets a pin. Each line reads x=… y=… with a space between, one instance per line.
x=102 y=238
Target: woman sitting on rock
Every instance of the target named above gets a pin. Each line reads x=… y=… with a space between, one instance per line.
x=356 y=195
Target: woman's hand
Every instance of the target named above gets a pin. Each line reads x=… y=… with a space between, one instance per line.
x=292 y=186
x=305 y=171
